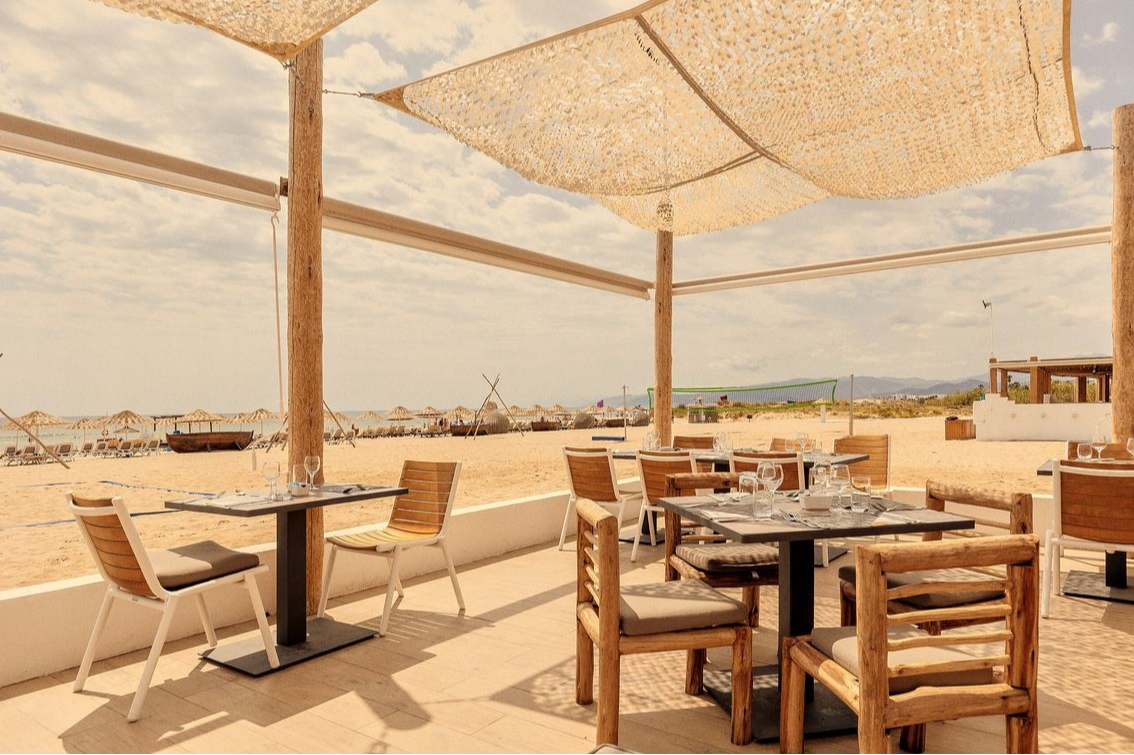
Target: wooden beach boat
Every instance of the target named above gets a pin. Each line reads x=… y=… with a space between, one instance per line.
x=187 y=443
x=540 y=425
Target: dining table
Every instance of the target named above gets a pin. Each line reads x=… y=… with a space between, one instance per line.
x=298 y=638
x=1113 y=584
x=796 y=530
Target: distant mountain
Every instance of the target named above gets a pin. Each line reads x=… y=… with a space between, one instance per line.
x=865 y=386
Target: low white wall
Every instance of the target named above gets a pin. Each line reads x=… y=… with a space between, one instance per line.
x=999 y=418
x=45 y=627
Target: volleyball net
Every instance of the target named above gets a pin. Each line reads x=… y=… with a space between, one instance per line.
x=748 y=399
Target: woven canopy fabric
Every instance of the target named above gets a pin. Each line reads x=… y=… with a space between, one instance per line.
x=280 y=28
x=700 y=115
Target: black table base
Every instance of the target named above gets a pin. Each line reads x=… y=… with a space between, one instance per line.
x=323 y=636
x=823 y=714
x=1081 y=584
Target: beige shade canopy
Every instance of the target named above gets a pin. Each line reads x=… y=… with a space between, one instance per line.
x=38 y=418
x=330 y=416
x=371 y=416
x=86 y=423
x=257 y=415
x=429 y=412
x=126 y=417
x=560 y=411
x=281 y=28
x=399 y=414
x=700 y=115
x=538 y=410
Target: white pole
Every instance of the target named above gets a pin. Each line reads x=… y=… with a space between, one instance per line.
x=850 y=430
x=991 y=329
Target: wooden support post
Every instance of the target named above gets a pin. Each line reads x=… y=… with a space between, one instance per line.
x=305 y=287
x=1081 y=389
x=992 y=375
x=1034 y=382
x=1122 y=273
x=663 y=339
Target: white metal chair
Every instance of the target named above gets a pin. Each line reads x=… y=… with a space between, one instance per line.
x=159 y=580
x=590 y=475
x=1091 y=512
x=653 y=466
x=419 y=518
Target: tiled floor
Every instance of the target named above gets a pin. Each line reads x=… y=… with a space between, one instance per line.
x=501 y=679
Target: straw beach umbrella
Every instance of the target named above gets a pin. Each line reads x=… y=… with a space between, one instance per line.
x=458 y=413
x=86 y=423
x=332 y=416
x=35 y=420
x=371 y=416
x=199 y=416
x=538 y=410
x=560 y=411
x=257 y=415
x=399 y=414
x=429 y=412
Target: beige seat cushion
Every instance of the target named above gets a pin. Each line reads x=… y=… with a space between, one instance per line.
x=847 y=574
x=841 y=645
x=728 y=556
x=198 y=562
x=676 y=606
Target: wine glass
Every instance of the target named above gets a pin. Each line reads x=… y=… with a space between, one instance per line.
x=771 y=475
x=720 y=443
x=1098 y=442
x=802 y=442
x=841 y=478
x=652 y=441
x=271 y=472
x=311 y=464
x=820 y=477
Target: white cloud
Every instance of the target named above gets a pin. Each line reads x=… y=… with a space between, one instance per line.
x=1085 y=84
x=1108 y=33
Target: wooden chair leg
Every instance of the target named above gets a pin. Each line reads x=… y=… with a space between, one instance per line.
x=695 y=671
x=847 y=611
x=329 y=552
x=750 y=596
x=584 y=666
x=742 y=687
x=792 y=690
x=1023 y=733
x=609 y=689
x=872 y=736
x=912 y=738
x=92 y=643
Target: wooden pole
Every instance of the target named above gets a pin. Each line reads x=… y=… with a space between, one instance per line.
x=1122 y=274
x=663 y=340
x=305 y=287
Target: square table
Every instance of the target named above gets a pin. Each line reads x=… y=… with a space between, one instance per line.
x=797 y=577
x=297 y=639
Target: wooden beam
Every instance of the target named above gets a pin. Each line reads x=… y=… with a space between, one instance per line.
x=663 y=339
x=1121 y=388
x=305 y=287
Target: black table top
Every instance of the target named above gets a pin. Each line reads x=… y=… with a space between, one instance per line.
x=256 y=502
x=735 y=521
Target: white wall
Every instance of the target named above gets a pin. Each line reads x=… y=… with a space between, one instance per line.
x=999 y=418
x=45 y=627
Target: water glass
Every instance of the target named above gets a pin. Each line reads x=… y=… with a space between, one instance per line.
x=860 y=493
x=841 y=479
x=651 y=442
x=817 y=446
x=820 y=477
x=750 y=493
x=720 y=443
x=297 y=484
x=802 y=442
x=1083 y=451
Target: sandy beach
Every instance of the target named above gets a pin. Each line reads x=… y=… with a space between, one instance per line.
x=41 y=542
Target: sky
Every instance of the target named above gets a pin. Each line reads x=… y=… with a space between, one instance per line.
x=115 y=294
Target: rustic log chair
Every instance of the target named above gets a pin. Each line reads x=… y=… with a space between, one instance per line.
x=158 y=579
x=712 y=559
x=1091 y=512
x=649 y=618
x=941 y=497
x=590 y=475
x=877 y=467
x=653 y=466
x=895 y=678
x=419 y=518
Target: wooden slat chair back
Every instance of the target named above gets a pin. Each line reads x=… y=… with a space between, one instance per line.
x=1110 y=451
x=698 y=442
x=994 y=513
x=713 y=559
x=791 y=463
x=782 y=444
x=158 y=580
x=877 y=467
x=590 y=475
x=892 y=678
x=1093 y=510
x=628 y=620
x=419 y=518
x=653 y=467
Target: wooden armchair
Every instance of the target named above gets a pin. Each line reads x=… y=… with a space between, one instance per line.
x=711 y=558
x=653 y=466
x=894 y=678
x=649 y=618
